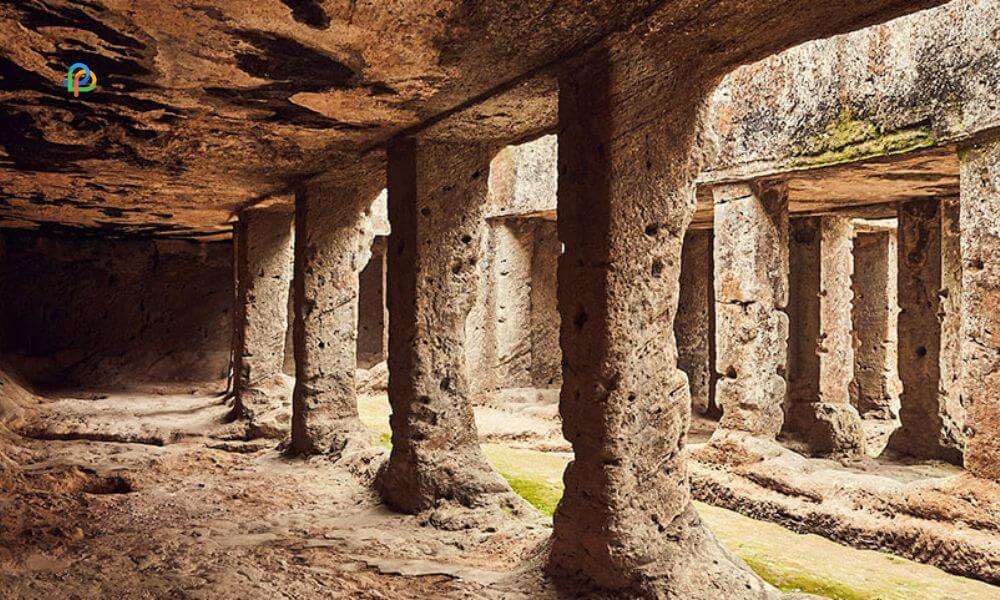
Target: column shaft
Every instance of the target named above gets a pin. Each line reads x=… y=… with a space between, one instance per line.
x=373 y=318
x=333 y=242
x=546 y=358
x=931 y=412
x=626 y=196
x=264 y=248
x=693 y=325
x=437 y=195
x=875 y=389
x=821 y=347
x=751 y=293
x=980 y=342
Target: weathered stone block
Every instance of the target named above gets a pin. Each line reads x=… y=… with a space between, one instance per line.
x=835 y=429
x=980 y=219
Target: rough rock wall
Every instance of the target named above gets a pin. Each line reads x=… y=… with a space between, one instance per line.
x=112 y=314
x=513 y=329
x=918 y=81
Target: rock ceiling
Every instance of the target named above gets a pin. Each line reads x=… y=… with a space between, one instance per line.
x=204 y=106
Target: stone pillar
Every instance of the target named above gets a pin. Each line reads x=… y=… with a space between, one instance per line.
x=514 y=248
x=546 y=358
x=980 y=220
x=751 y=293
x=626 y=195
x=373 y=333
x=821 y=347
x=333 y=243
x=437 y=195
x=289 y=366
x=875 y=389
x=930 y=319
x=694 y=326
x=264 y=249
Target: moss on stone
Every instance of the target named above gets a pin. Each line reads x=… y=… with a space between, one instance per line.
x=849 y=139
x=543 y=496
x=790 y=581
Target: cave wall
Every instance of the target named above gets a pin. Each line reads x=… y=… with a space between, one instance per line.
x=103 y=314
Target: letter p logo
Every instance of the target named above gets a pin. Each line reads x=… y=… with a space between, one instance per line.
x=79 y=78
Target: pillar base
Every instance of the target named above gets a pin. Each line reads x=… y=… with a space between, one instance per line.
x=334 y=437
x=695 y=567
x=265 y=408
x=415 y=484
x=834 y=429
x=914 y=444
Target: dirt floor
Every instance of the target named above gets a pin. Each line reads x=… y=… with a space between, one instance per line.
x=148 y=506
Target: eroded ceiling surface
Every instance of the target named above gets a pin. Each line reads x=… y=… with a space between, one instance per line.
x=205 y=106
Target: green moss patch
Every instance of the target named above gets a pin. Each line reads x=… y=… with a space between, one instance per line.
x=849 y=139
x=543 y=496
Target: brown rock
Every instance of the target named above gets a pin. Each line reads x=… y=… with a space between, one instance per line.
x=264 y=248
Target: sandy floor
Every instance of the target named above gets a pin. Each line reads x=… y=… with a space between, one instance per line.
x=174 y=517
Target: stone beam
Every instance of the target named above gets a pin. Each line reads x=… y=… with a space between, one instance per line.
x=263 y=243
x=980 y=341
x=820 y=349
x=626 y=196
x=751 y=294
x=930 y=274
x=869 y=93
x=437 y=196
x=333 y=241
